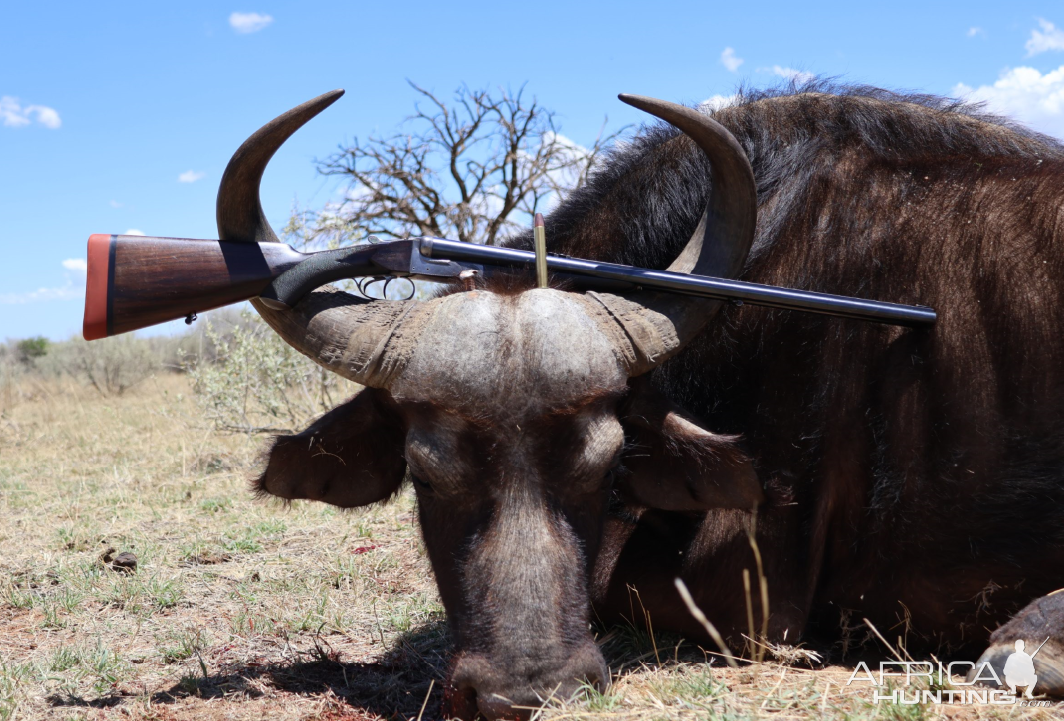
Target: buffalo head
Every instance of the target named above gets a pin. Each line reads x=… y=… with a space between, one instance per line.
x=516 y=416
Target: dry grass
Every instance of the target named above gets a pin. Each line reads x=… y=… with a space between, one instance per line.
x=245 y=609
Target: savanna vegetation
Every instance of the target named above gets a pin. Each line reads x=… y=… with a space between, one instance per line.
x=226 y=606
x=245 y=608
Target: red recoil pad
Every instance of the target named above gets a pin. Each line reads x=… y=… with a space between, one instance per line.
x=97 y=284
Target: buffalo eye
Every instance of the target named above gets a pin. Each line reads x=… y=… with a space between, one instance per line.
x=421 y=483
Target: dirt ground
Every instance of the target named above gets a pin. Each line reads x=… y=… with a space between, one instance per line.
x=246 y=609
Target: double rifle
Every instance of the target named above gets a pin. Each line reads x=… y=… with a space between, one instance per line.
x=136 y=281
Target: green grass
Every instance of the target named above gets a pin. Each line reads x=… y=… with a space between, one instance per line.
x=182 y=644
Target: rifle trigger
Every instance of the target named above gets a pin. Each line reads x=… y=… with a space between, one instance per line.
x=190 y=317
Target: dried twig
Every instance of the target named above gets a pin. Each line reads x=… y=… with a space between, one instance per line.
x=706 y=623
x=762 y=581
x=880 y=637
x=426 y=701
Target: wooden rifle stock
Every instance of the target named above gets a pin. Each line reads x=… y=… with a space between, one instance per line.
x=136 y=281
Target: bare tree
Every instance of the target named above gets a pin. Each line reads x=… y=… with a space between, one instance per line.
x=466 y=169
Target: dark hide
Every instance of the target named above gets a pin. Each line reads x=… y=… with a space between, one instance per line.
x=913 y=477
x=672 y=464
x=351 y=456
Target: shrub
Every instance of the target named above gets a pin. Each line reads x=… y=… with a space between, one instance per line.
x=258 y=383
x=111 y=365
x=30 y=349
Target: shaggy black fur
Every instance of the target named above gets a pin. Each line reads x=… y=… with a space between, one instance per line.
x=925 y=467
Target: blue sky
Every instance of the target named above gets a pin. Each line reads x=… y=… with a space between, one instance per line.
x=118 y=116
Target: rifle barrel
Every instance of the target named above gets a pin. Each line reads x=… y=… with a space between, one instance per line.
x=913 y=316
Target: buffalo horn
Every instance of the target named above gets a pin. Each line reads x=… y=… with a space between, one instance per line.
x=660 y=324
x=341 y=332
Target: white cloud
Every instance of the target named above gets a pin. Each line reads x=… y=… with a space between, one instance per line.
x=1026 y=95
x=797 y=76
x=1049 y=38
x=731 y=60
x=190 y=176
x=78 y=265
x=115 y=204
x=47 y=117
x=14 y=114
x=67 y=292
x=75 y=287
x=975 y=32
x=568 y=166
x=567 y=177
x=716 y=102
x=133 y=231
x=245 y=23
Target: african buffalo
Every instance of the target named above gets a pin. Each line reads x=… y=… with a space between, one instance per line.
x=566 y=446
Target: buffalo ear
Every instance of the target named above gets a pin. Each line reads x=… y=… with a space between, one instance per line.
x=673 y=464
x=351 y=456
